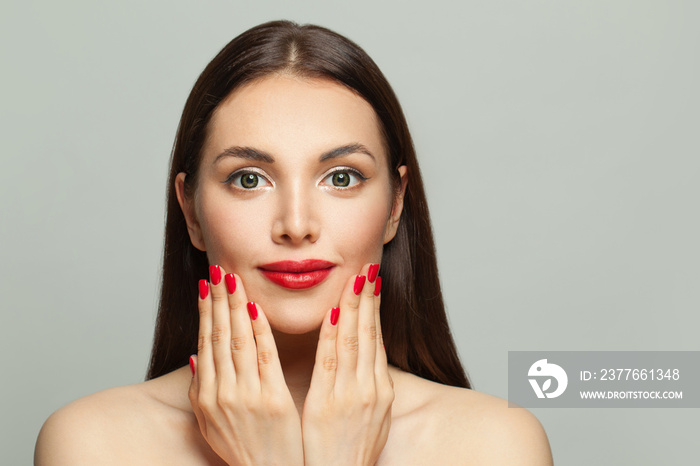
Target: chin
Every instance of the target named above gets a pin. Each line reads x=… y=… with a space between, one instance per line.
x=294 y=326
x=295 y=312
x=295 y=321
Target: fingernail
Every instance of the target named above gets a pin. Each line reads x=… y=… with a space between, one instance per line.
x=215 y=274
x=335 y=312
x=359 y=283
x=378 y=286
x=203 y=289
x=192 y=364
x=372 y=272
x=252 y=311
x=230 y=283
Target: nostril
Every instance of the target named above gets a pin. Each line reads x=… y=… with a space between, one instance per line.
x=296 y=222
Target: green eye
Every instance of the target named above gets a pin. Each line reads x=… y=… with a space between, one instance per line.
x=249 y=180
x=344 y=178
x=341 y=179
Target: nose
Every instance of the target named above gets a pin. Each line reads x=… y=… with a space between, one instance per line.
x=296 y=221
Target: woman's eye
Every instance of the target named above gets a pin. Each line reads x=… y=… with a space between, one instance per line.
x=341 y=179
x=248 y=180
x=344 y=178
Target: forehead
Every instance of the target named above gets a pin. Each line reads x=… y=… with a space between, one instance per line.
x=285 y=114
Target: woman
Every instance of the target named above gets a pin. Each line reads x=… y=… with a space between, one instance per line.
x=293 y=178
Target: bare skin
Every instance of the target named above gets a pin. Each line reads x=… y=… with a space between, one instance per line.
x=153 y=423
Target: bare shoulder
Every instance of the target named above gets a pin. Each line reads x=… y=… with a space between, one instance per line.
x=469 y=427
x=80 y=432
x=115 y=426
x=497 y=433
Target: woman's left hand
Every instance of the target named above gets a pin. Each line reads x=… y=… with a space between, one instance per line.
x=347 y=412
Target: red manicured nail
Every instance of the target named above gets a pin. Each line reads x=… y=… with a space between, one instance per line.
x=378 y=286
x=203 y=289
x=359 y=283
x=252 y=311
x=215 y=274
x=372 y=272
x=230 y=283
x=335 y=312
x=192 y=365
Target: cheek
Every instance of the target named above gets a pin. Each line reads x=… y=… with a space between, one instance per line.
x=231 y=230
x=357 y=227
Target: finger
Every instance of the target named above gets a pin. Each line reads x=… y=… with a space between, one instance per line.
x=382 y=377
x=347 y=340
x=323 y=376
x=221 y=328
x=377 y=315
x=377 y=300
x=242 y=342
x=381 y=364
x=193 y=395
x=205 y=358
x=367 y=329
x=269 y=367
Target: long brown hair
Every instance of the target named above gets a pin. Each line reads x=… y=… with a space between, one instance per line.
x=414 y=324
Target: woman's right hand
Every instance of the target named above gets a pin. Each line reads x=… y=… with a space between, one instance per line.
x=243 y=406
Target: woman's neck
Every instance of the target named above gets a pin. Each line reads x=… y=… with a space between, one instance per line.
x=297 y=355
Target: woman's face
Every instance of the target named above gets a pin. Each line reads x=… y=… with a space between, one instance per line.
x=293 y=195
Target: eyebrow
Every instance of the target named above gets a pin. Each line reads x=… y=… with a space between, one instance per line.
x=260 y=156
x=245 y=153
x=355 y=148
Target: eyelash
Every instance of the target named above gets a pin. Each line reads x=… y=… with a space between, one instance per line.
x=237 y=175
x=351 y=172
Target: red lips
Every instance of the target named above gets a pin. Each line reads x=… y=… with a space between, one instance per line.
x=297 y=275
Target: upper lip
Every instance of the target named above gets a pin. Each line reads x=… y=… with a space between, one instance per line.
x=306 y=265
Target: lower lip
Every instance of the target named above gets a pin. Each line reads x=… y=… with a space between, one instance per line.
x=297 y=281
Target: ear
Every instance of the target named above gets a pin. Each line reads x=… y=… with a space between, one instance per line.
x=187 y=206
x=392 y=223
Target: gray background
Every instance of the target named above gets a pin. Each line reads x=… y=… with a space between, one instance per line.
x=558 y=140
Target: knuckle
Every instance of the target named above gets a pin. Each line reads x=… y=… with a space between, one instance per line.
x=330 y=363
x=387 y=396
x=238 y=343
x=264 y=357
x=275 y=406
x=224 y=399
x=371 y=331
x=203 y=310
x=367 y=398
x=217 y=297
x=206 y=405
x=217 y=333
x=350 y=343
x=201 y=343
x=354 y=304
x=259 y=330
x=251 y=403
